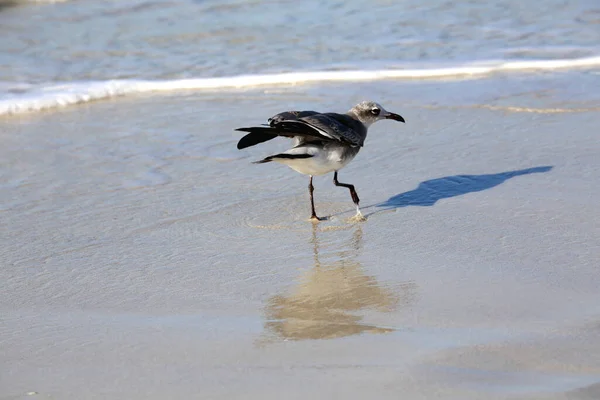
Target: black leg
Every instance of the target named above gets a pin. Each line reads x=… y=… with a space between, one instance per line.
x=311 y=189
x=350 y=187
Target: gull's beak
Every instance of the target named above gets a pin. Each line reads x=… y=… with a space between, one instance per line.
x=395 y=117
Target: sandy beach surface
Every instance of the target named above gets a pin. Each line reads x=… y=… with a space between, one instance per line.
x=144 y=257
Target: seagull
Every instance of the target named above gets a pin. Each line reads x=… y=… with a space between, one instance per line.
x=323 y=142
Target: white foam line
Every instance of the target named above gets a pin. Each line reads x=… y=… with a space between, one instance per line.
x=54 y=96
x=44 y=1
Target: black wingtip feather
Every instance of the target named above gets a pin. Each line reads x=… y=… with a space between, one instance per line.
x=254 y=138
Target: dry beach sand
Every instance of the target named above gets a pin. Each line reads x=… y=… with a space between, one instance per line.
x=144 y=257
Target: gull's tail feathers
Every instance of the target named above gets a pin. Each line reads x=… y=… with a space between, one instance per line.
x=282 y=156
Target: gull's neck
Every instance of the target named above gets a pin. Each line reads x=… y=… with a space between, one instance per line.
x=353 y=115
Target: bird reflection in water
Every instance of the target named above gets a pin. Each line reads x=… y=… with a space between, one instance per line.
x=325 y=303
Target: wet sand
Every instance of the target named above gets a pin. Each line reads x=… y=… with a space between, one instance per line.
x=144 y=256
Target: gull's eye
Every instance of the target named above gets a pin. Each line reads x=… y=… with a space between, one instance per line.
x=375 y=111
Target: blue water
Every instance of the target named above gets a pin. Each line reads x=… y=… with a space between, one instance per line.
x=58 y=53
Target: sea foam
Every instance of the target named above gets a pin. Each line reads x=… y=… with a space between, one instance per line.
x=31 y=98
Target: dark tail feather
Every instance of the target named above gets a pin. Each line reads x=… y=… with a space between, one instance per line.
x=265 y=160
x=282 y=155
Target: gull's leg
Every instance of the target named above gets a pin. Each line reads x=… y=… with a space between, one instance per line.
x=311 y=189
x=350 y=187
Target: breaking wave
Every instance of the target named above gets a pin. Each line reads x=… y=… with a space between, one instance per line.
x=30 y=98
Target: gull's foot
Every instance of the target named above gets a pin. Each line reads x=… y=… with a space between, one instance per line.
x=314 y=218
x=357 y=218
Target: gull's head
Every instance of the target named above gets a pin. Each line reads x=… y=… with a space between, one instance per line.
x=369 y=112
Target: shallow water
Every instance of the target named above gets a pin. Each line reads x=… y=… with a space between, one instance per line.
x=136 y=236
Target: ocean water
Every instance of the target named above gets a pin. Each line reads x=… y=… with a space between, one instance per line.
x=59 y=53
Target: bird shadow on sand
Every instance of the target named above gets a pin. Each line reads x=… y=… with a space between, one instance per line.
x=430 y=192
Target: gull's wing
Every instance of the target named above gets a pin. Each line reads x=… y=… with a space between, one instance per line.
x=289 y=116
x=335 y=127
x=259 y=134
x=310 y=125
x=262 y=134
